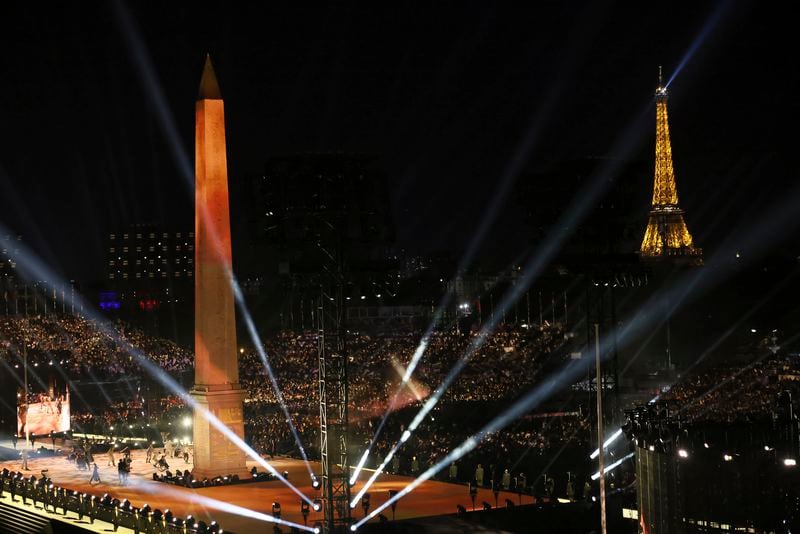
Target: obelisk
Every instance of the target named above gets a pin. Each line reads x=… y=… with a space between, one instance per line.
x=216 y=374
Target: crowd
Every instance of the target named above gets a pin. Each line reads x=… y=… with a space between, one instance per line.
x=543 y=454
x=736 y=393
x=82 y=347
x=497 y=370
x=500 y=368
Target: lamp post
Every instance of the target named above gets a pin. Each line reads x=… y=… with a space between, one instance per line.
x=600 y=431
x=473 y=494
x=392 y=493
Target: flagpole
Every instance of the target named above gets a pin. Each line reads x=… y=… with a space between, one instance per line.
x=600 y=431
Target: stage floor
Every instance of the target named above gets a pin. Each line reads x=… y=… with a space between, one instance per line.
x=430 y=498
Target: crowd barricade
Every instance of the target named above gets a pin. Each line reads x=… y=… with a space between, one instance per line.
x=63 y=501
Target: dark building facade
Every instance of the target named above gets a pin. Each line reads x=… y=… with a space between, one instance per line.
x=149 y=278
x=147 y=258
x=9 y=250
x=309 y=202
x=316 y=213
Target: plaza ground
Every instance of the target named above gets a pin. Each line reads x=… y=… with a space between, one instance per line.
x=429 y=499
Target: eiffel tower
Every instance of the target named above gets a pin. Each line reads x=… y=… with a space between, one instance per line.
x=666 y=237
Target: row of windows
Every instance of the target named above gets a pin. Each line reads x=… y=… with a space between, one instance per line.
x=177 y=261
x=164 y=248
x=151 y=235
x=163 y=274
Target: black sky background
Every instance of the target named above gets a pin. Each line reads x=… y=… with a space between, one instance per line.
x=443 y=94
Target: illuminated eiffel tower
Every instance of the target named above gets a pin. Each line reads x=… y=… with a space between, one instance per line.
x=666 y=236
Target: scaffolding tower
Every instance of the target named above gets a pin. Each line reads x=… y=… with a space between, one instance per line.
x=333 y=400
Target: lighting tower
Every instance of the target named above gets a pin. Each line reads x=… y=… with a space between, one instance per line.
x=333 y=398
x=667 y=236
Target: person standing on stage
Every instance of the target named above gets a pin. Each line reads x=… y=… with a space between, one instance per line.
x=479 y=475
x=506 y=480
x=95 y=476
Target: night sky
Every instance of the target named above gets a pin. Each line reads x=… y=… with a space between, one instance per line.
x=450 y=97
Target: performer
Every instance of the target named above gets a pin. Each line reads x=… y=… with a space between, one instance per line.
x=95 y=475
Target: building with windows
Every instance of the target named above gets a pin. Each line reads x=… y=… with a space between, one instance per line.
x=9 y=250
x=147 y=266
x=145 y=253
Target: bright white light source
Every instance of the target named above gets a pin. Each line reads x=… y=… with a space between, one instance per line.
x=612 y=466
x=607 y=442
x=727 y=457
x=683 y=453
x=187 y=421
x=790 y=462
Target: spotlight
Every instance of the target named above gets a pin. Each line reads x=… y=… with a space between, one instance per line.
x=315 y=484
x=317 y=505
x=790 y=462
x=683 y=453
x=276 y=509
x=727 y=457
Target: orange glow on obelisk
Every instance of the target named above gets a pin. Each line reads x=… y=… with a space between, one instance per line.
x=216 y=365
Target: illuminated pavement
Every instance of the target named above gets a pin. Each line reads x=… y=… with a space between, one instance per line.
x=430 y=498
